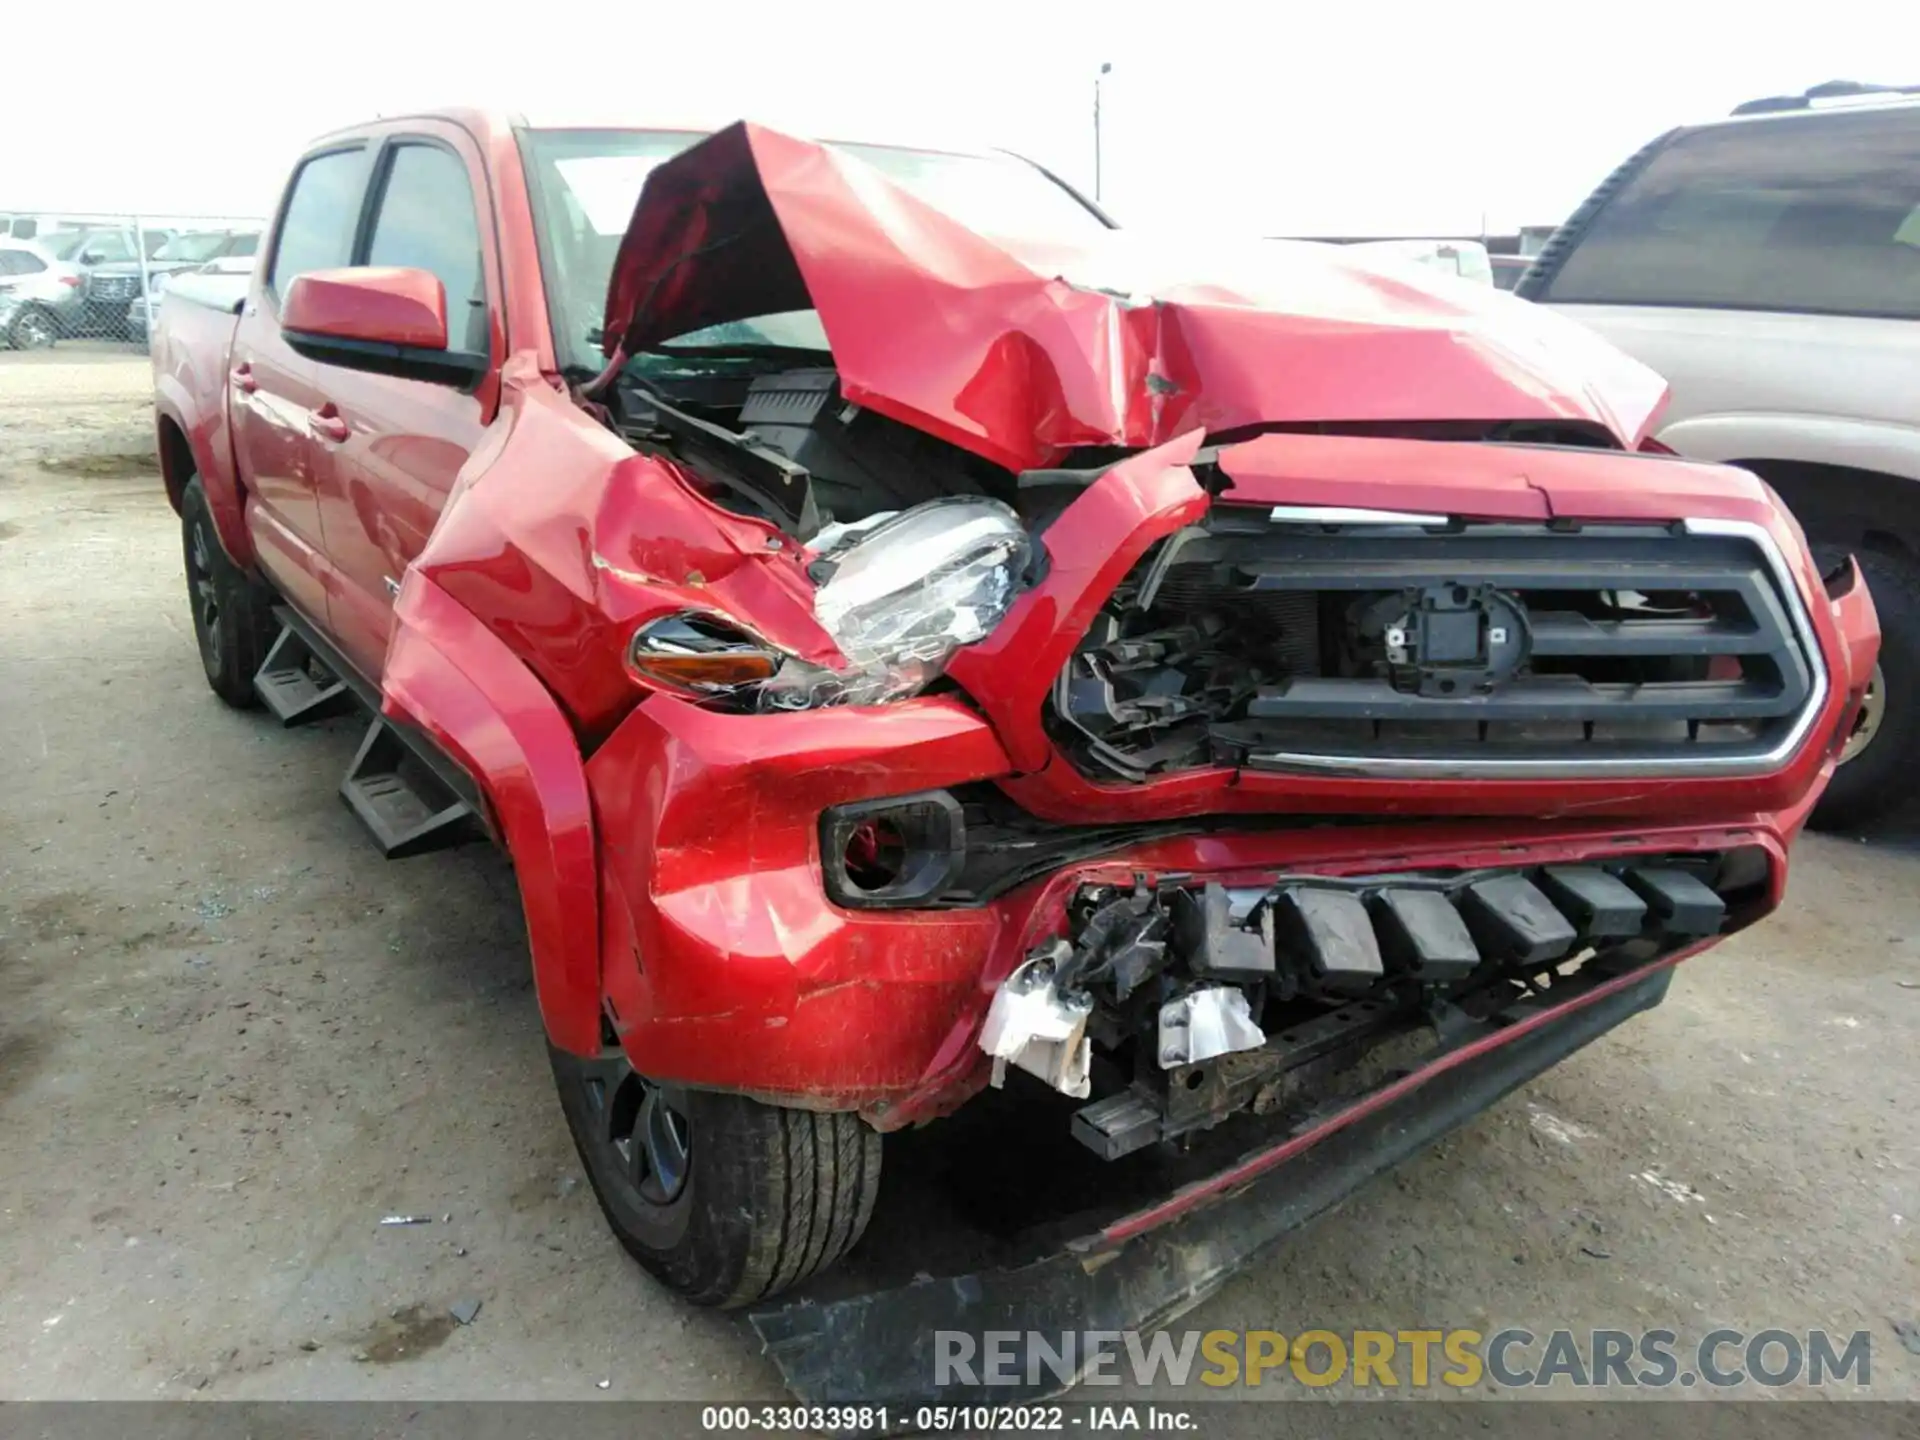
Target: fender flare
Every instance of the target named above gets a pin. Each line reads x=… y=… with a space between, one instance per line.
x=1879 y=446
x=456 y=681
x=205 y=436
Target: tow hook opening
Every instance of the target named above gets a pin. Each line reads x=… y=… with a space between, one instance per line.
x=1175 y=1003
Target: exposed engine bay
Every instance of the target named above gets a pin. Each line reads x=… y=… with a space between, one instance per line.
x=1265 y=637
x=1172 y=1004
x=777 y=441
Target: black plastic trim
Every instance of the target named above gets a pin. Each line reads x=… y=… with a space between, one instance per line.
x=935 y=829
x=445 y=768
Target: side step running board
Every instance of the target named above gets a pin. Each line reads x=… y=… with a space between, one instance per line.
x=412 y=796
x=408 y=807
x=297 y=685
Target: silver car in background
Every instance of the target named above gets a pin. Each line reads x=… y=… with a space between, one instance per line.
x=40 y=296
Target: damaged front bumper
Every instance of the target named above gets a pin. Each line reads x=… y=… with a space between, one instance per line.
x=1196 y=1000
x=727 y=962
x=1146 y=1265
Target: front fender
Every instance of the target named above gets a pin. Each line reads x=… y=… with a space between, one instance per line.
x=452 y=678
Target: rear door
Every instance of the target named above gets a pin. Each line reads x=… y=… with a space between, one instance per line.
x=398 y=443
x=274 y=393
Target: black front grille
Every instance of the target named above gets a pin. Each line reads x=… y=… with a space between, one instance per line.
x=113 y=287
x=1442 y=649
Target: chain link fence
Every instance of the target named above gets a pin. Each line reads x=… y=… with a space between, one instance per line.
x=98 y=277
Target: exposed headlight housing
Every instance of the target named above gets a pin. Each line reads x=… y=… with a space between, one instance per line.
x=902 y=596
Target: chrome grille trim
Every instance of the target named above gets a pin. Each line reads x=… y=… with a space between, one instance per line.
x=1573 y=767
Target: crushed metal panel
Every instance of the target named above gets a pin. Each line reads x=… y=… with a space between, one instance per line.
x=1203 y=1024
x=1020 y=350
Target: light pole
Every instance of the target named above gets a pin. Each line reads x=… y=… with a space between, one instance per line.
x=1104 y=68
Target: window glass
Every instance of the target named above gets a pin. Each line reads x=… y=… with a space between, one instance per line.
x=196 y=247
x=426 y=221
x=106 y=247
x=586 y=183
x=1810 y=213
x=244 y=245
x=317 y=231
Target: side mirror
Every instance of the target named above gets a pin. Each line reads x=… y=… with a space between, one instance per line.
x=385 y=319
x=90 y=257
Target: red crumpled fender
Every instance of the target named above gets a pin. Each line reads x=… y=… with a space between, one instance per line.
x=453 y=679
x=1141 y=500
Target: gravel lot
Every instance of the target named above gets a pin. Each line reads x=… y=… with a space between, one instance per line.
x=233 y=1038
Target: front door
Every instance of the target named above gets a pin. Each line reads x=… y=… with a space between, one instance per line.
x=398 y=443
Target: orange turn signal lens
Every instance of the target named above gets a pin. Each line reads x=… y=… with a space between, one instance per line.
x=699 y=655
x=705 y=672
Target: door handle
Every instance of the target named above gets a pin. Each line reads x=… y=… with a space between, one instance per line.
x=327 y=423
x=243 y=380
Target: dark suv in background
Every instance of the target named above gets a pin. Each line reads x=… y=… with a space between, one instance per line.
x=1768 y=265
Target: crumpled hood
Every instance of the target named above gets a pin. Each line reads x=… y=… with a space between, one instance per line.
x=1020 y=349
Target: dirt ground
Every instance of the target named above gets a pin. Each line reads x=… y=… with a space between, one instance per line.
x=232 y=1038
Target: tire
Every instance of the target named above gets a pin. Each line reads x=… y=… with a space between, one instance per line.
x=232 y=613
x=1882 y=774
x=33 y=328
x=763 y=1198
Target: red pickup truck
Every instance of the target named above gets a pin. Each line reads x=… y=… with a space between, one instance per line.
x=913 y=637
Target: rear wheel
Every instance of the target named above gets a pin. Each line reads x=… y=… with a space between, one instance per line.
x=1879 y=769
x=721 y=1198
x=232 y=613
x=33 y=329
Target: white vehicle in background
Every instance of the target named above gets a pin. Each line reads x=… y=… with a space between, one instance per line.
x=40 y=296
x=1769 y=266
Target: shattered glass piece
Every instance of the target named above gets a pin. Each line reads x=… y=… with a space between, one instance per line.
x=1204 y=1023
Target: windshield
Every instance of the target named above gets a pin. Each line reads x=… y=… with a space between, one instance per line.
x=193 y=248
x=65 y=246
x=585 y=184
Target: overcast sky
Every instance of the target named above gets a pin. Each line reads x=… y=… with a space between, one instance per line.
x=1274 y=118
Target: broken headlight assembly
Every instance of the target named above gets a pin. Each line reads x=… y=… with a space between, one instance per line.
x=898 y=594
x=900 y=598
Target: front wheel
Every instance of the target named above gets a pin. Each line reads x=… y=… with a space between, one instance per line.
x=721 y=1198
x=1879 y=769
